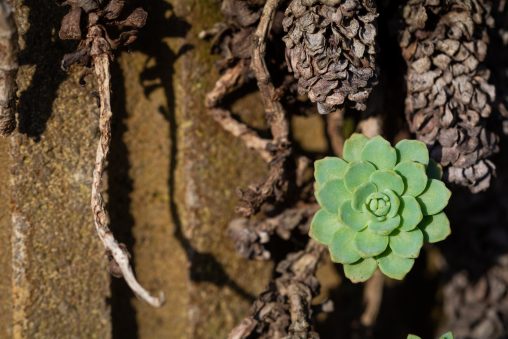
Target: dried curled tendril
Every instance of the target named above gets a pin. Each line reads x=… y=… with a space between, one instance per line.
x=378 y=206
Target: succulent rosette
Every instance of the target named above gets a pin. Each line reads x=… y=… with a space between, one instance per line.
x=379 y=205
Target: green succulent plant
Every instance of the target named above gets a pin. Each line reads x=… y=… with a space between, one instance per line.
x=379 y=205
x=447 y=335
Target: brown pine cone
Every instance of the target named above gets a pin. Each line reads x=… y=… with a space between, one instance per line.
x=330 y=47
x=449 y=97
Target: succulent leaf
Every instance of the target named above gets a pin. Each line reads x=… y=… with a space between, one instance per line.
x=323 y=226
x=351 y=217
x=407 y=244
x=332 y=195
x=376 y=146
x=394 y=266
x=353 y=147
x=361 y=194
x=435 y=197
x=411 y=213
x=435 y=227
x=414 y=177
x=384 y=227
x=328 y=169
x=412 y=150
x=360 y=271
x=379 y=208
x=434 y=170
x=342 y=248
x=357 y=174
x=387 y=179
x=370 y=244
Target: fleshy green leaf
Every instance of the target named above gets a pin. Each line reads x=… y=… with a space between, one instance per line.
x=434 y=170
x=332 y=195
x=384 y=227
x=387 y=179
x=323 y=226
x=407 y=244
x=410 y=212
x=414 y=177
x=413 y=336
x=342 y=248
x=329 y=168
x=435 y=197
x=379 y=152
x=412 y=150
x=394 y=203
x=361 y=194
x=447 y=335
x=435 y=227
x=361 y=271
x=351 y=217
x=370 y=244
x=394 y=266
x=357 y=174
x=353 y=147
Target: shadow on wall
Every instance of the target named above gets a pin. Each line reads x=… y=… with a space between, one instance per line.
x=161 y=24
x=44 y=51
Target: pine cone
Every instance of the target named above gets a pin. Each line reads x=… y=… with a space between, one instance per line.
x=330 y=47
x=449 y=97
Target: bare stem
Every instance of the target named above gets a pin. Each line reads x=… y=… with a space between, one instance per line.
x=101 y=218
x=335 y=122
x=372 y=297
x=8 y=69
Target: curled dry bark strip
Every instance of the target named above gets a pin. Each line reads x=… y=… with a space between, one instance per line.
x=104 y=19
x=101 y=218
x=232 y=79
x=8 y=69
x=284 y=309
x=276 y=185
x=251 y=236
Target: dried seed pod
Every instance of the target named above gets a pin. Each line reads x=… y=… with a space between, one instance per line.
x=449 y=97
x=330 y=47
x=118 y=22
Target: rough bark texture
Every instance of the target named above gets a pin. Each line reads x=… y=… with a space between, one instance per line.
x=449 y=96
x=331 y=48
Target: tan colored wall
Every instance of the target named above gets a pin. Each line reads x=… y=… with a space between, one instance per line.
x=172 y=178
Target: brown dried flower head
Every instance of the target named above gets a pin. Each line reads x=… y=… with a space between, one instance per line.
x=449 y=97
x=330 y=47
x=116 y=21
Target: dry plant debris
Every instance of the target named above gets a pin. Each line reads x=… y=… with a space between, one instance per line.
x=449 y=98
x=331 y=49
x=8 y=69
x=96 y=49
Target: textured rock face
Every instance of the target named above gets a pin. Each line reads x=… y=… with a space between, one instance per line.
x=330 y=47
x=169 y=188
x=449 y=97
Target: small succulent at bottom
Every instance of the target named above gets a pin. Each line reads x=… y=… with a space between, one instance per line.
x=379 y=205
x=447 y=335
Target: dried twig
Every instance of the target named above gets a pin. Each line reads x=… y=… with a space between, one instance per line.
x=284 y=309
x=335 y=122
x=251 y=236
x=99 y=52
x=372 y=297
x=8 y=69
x=231 y=80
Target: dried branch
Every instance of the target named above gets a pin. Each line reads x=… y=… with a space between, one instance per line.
x=372 y=297
x=251 y=236
x=95 y=50
x=335 y=122
x=101 y=218
x=284 y=309
x=231 y=80
x=8 y=69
